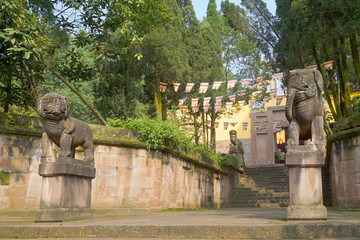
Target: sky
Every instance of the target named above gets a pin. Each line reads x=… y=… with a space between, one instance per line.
x=200 y=6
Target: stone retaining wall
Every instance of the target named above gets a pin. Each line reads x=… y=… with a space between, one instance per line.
x=126 y=174
x=345 y=170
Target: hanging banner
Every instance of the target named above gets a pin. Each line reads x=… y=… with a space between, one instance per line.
x=176 y=86
x=265 y=124
x=189 y=86
x=168 y=102
x=329 y=65
x=256 y=125
x=216 y=124
x=265 y=100
x=195 y=109
x=206 y=108
x=273 y=93
x=231 y=84
x=207 y=101
x=218 y=100
x=216 y=85
x=228 y=106
x=233 y=124
x=245 y=82
x=181 y=101
x=275 y=123
x=217 y=107
x=278 y=100
x=285 y=91
x=252 y=102
x=241 y=103
x=162 y=87
x=184 y=109
x=245 y=125
x=194 y=102
x=226 y=125
x=313 y=67
x=203 y=87
x=232 y=98
x=207 y=123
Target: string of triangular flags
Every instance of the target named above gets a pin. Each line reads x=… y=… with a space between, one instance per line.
x=245 y=125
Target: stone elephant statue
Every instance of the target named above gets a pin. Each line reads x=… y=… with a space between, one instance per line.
x=304 y=107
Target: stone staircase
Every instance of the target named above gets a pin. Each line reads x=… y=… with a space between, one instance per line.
x=266 y=186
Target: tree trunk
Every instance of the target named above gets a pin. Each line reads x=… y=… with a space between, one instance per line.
x=346 y=78
x=326 y=82
x=8 y=94
x=196 y=129
x=204 y=129
x=355 y=55
x=212 y=130
x=82 y=97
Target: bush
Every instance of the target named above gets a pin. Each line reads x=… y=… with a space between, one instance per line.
x=156 y=133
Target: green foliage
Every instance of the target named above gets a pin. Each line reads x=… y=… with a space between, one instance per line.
x=5 y=177
x=156 y=133
x=356 y=104
x=229 y=160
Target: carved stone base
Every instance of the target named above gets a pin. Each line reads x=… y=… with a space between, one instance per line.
x=305 y=183
x=307 y=212
x=66 y=190
x=62 y=214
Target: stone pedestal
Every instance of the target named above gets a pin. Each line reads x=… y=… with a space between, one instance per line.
x=305 y=182
x=66 y=190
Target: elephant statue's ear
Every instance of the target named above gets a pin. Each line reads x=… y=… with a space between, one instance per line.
x=319 y=80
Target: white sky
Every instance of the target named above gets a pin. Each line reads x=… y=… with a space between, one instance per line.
x=200 y=6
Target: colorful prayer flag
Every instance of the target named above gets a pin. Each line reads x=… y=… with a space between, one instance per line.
x=256 y=125
x=216 y=124
x=228 y=106
x=189 y=86
x=241 y=103
x=278 y=76
x=265 y=124
x=279 y=99
x=181 y=101
x=206 y=101
x=245 y=82
x=168 y=102
x=329 y=65
x=206 y=108
x=313 y=67
x=207 y=122
x=217 y=107
x=231 y=84
x=195 y=109
x=203 y=87
x=226 y=124
x=259 y=79
x=194 y=102
x=218 y=100
x=275 y=123
x=162 y=87
x=273 y=93
x=216 y=85
x=242 y=94
x=245 y=125
x=184 y=109
x=233 y=124
x=232 y=98
x=256 y=93
x=176 y=86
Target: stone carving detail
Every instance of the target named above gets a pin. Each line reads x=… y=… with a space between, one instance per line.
x=304 y=107
x=66 y=132
x=236 y=147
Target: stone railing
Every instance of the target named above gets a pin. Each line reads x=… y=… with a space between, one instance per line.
x=127 y=175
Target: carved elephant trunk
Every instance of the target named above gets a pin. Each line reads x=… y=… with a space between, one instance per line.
x=289 y=103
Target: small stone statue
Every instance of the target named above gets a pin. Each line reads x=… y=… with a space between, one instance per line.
x=66 y=132
x=236 y=148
